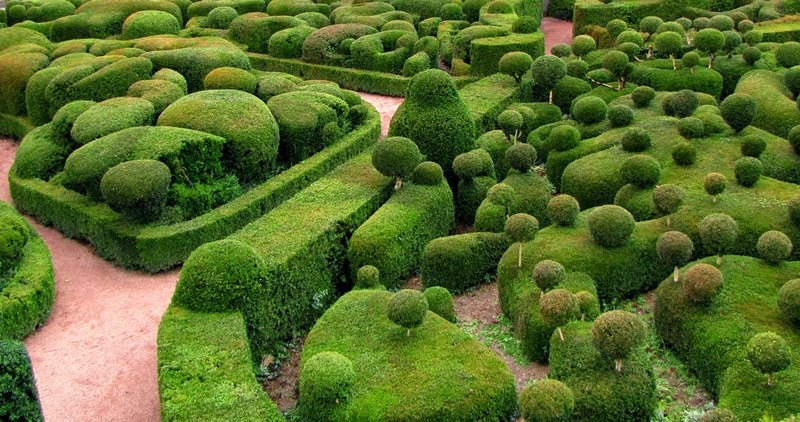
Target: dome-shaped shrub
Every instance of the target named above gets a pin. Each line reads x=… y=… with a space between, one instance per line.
x=521 y=228
x=674 y=248
x=788 y=54
x=721 y=22
x=667 y=198
x=616 y=334
x=650 y=24
x=231 y=78
x=547 y=274
x=630 y=49
x=561 y=50
x=563 y=138
x=630 y=35
x=583 y=45
x=774 y=246
x=718 y=232
x=588 y=305
x=683 y=103
x=221 y=17
x=690 y=60
x=396 y=156
x=589 y=110
x=563 y=210
x=753 y=146
x=615 y=27
x=715 y=184
x=669 y=44
x=748 y=170
x=635 y=139
x=641 y=170
x=150 y=22
x=691 y=127
x=751 y=55
x=793 y=207
x=789 y=300
x=368 y=277
x=451 y=12
x=12 y=241
x=794 y=138
x=673 y=27
x=769 y=353
x=547 y=71
x=684 y=154
x=510 y=121
x=642 y=95
x=407 y=308
x=521 y=157
x=709 y=41
x=525 y=25
x=546 y=400
x=558 y=307
x=620 y=115
x=515 y=63
x=611 y=225
x=501 y=194
x=427 y=173
x=137 y=188
x=791 y=78
x=738 y=110
x=700 y=23
x=325 y=380
x=468 y=165
x=440 y=302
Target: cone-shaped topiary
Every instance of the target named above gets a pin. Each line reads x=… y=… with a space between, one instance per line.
x=440 y=302
x=769 y=353
x=548 y=274
x=521 y=157
x=789 y=300
x=715 y=184
x=774 y=246
x=675 y=248
x=667 y=199
x=137 y=189
x=368 y=277
x=558 y=307
x=563 y=210
x=738 y=110
x=588 y=304
x=635 y=139
x=546 y=400
x=718 y=232
x=325 y=381
x=611 y=225
x=407 y=308
x=702 y=282
x=642 y=171
x=616 y=334
x=521 y=228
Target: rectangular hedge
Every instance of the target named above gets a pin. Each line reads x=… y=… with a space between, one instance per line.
x=487 y=98
x=485 y=53
x=155 y=248
x=595 y=12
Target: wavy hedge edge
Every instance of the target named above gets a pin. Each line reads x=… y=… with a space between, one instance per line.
x=155 y=248
x=27 y=299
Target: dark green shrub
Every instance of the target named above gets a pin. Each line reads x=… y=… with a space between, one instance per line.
x=700 y=23
x=368 y=277
x=547 y=71
x=407 y=308
x=718 y=415
x=684 y=154
x=577 y=69
x=709 y=41
x=791 y=78
x=510 y=121
x=667 y=198
x=650 y=24
x=440 y=302
x=288 y=43
x=499 y=7
x=718 y=232
x=774 y=246
x=630 y=36
x=174 y=77
x=451 y=12
x=470 y=165
x=12 y=240
x=194 y=63
x=732 y=42
x=702 y=282
x=616 y=334
x=794 y=210
x=714 y=184
x=769 y=353
x=616 y=27
x=563 y=138
x=314 y=19
x=738 y=110
x=111 y=116
x=427 y=173
x=137 y=188
x=221 y=17
x=631 y=49
x=417 y=63
x=617 y=63
x=547 y=274
x=682 y=103
x=231 y=78
x=788 y=54
x=521 y=228
x=558 y=307
x=690 y=60
x=562 y=50
x=589 y=110
x=521 y=157
x=563 y=210
x=794 y=138
x=611 y=225
x=691 y=127
x=583 y=45
x=588 y=305
x=721 y=22
x=789 y=300
x=568 y=89
x=620 y=115
x=748 y=170
x=753 y=146
x=635 y=140
x=546 y=400
x=325 y=381
x=674 y=248
x=159 y=92
x=685 y=23
x=462 y=261
x=17 y=384
x=516 y=64
x=525 y=25
x=751 y=55
x=669 y=44
x=150 y=22
x=396 y=157
x=641 y=170
x=642 y=96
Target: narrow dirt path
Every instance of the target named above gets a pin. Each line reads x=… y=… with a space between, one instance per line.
x=556 y=31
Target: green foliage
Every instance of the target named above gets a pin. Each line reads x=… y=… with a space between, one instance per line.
x=774 y=246
x=620 y=115
x=563 y=210
x=583 y=45
x=546 y=400
x=440 y=302
x=668 y=197
x=230 y=78
x=721 y=22
x=515 y=63
x=718 y=415
x=562 y=50
x=681 y=104
x=558 y=307
x=715 y=183
x=18 y=68
x=691 y=127
x=702 y=282
x=150 y=22
x=630 y=36
x=419 y=62
x=738 y=110
x=462 y=261
x=748 y=170
x=641 y=170
x=407 y=308
x=17 y=386
x=684 y=154
x=788 y=54
x=510 y=121
x=221 y=17
x=789 y=300
x=111 y=116
x=674 y=248
x=709 y=40
x=427 y=173
x=751 y=55
x=753 y=146
x=642 y=96
x=521 y=227
x=137 y=188
x=650 y=24
x=563 y=138
x=521 y=157
x=525 y=25
x=547 y=274
x=368 y=277
x=589 y=110
x=41 y=153
x=547 y=71
x=635 y=140
x=611 y=226
x=669 y=43
x=617 y=334
x=161 y=93
x=319 y=47
x=194 y=63
x=325 y=381
x=768 y=353
x=396 y=157
x=616 y=62
x=718 y=232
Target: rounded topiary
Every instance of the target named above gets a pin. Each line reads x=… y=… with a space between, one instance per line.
x=427 y=173
x=718 y=415
x=769 y=353
x=325 y=380
x=630 y=35
x=561 y=50
x=751 y=55
x=588 y=304
x=616 y=27
x=748 y=170
x=558 y=307
x=547 y=71
x=17 y=384
x=791 y=78
x=669 y=44
x=396 y=156
x=738 y=110
x=702 y=282
x=774 y=246
x=563 y=138
x=219 y=276
x=620 y=115
x=641 y=170
x=563 y=210
x=525 y=25
x=789 y=300
x=675 y=248
x=407 y=308
x=611 y=225
x=690 y=60
x=794 y=138
x=546 y=400
x=721 y=22
x=515 y=63
x=752 y=38
x=753 y=146
x=788 y=54
x=12 y=241
x=368 y=277
x=715 y=184
x=617 y=63
x=650 y=24
x=501 y=194
x=718 y=232
x=589 y=110
x=137 y=188
x=793 y=207
x=521 y=157
x=709 y=41
x=630 y=49
x=468 y=165
x=642 y=95
x=700 y=23
x=583 y=45
x=451 y=12
x=521 y=227
x=667 y=198
x=221 y=17
x=691 y=127
x=683 y=103
x=547 y=274
x=635 y=139
x=684 y=154
x=150 y=22
x=499 y=6
x=440 y=302
x=231 y=78
x=510 y=121
x=616 y=334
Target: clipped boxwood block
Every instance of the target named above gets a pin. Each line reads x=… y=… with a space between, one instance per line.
x=462 y=261
x=485 y=53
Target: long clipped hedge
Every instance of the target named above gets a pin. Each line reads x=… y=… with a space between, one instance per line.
x=154 y=248
x=487 y=98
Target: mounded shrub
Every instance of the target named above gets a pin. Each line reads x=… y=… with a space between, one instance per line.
x=669 y=44
x=521 y=228
x=510 y=121
x=650 y=24
x=748 y=170
x=150 y=22
x=751 y=55
x=161 y=93
x=791 y=78
x=427 y=173
x=614 y=27
x=462 y=261
x=616 y=334
x=794 y=138
x=630 y=35
x=194 y=63
x=407 y=308
x=137 y=188
x=738 y=110
x=721 y=22
x=325 y=381
x=521 y=157
x=635 y=140
x=547 y=274
x=65 y=116
x=709 y=41
x=547 y=71
x=561 y=50
x=17 y=385
x=577 y=68
x=667 y=198
x=588 y=304
x=753 y=146
x=691 y=127
x=516 y=64
x=440 y=302
x=718 y=232
x=368 y=277
x=684 y=154
x=714 y=184
x=690 y=60
x=641 y=170
x=589 y=110
x=611 y=225
x=642 y=95
x=525 y=25
x=563 y=210
x=769 y=353
x=546 y=400
x=682 y=103
x=558 y=307
x=793 y=207
x=111 y=116
x=563 y=138
x=620 y=115
x=788 y=54
x=674 y=248
x=789 y=300
x=583 y=45
x=221 y=17
x=231 y=78
x=396 y=157
x=774 y=246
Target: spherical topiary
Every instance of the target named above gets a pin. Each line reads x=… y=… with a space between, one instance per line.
x=368 y=277
x=137 y=188
x=561 y=50
x=774 y=246
x=615 y=27
x=789 y=300
x=788 y=54
x=510 y=121
x=718 y=415
x=674 y=248
x=715 y=184
x=685 y=23
x=745 y=25
x=231 y=78
x=791 y=78
x=669 y=43
x=499 y=6
x=219 y=277
x=769 y=353
x=583 y=45
x=515 y=63
x=620 y=115
x=563 y=210
x=589 y=110
x=709 y=40
x=440 y=302
x=221 y=17
x=667 y=198
x=451 y=12
x=753 y=146
x=616 y=62
x=558 y=307
x=396 y=157
x=751 y=55
x=691 y=127
x=407 y=308
x=650 y=24
x=150 y=22
x=547 y=71
x=521 y=157
x=642 y=96
x=752 y=38
x=748 y=170
x=630 y=36
x=732 y=41
x=611 y=225
x=641 y=170
x=684 y=154
x=588 y=304
x=718 y=232
x=635 y=139
x=325 y=380
x=721 y=22
x=702 y=282
x=525 y=25
x=793 y=207
x=547 y=274
x=521 y=227
x=630 y=49
x=738 y=110
x=468 y=165
x=546 y=400
x=563 y=138
x=671 y=27
x=427 y=173
x=616 y=334
x=501 y=194
x=700 y=23
x=683 y=103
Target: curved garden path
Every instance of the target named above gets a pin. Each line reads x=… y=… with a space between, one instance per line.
x=95 y=358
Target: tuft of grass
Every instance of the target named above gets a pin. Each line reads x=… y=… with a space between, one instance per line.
x=499 y=332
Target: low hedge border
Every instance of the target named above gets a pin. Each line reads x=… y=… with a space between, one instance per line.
x=14 y=126
x=155 y=248
x=27 y=298
x=487 y=98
